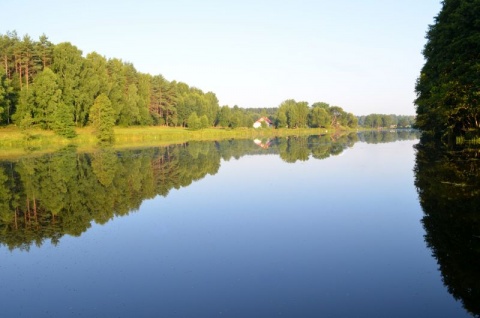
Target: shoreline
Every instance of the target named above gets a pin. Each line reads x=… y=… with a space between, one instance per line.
x=15 y=143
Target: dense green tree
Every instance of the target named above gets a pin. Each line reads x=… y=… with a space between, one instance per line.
x=63 y=124
x=321 y=105
x=338 y=116
x=117 y=83
x=7 y=98
x=224 y=116
x=130 y=114
x=352 y=121
x=211 y=107
x=282 y=119
x=143 y=102
x=45 y=98
x=39 y=104
x=387 y=121
x=288 y=107
x=204 y=122
x=194 y=121
x=67 y=65
x=5 y=54
x=44 y=50
x=302 y=110
x=448 y=86
x=23 y=116
x=27 y=59
x=319 y=117
x=102 y=116
x=237 y=118
x=94 y=79
x=403 y=122
x=291 y=112
x=163 y=97
x=240 y=118
x=184 y=107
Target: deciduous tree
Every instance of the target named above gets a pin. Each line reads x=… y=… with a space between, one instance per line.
x=448 y=87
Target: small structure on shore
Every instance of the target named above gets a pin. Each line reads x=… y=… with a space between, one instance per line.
x=261 y=120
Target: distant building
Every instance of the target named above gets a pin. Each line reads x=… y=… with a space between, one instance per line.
x=261 y=120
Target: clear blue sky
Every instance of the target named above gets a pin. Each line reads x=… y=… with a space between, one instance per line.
x=362 y=55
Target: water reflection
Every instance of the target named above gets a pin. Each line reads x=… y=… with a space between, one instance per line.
x=43 y=198
x=448 y=183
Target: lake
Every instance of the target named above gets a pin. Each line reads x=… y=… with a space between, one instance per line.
x=360 y=225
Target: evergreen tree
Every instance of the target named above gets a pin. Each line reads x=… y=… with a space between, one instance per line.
x=7 y=98
x=23 y=116
x=102 y=116
x=44 y=50
x=63 y=123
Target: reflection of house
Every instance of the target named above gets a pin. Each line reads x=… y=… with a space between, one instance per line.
x=261 y=120
x=262 y=144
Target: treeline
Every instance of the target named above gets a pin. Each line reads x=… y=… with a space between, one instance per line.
x=48 y=85
x=386 y=121
x=294 y=114
x=56 y=87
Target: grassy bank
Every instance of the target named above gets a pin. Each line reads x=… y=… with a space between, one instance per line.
x=15 y=142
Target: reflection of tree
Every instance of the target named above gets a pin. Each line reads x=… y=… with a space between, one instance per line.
x=448 y=184
x=320 y=147
x=46 y=197
x=104 y=163
x=62 y=193
x=381 y=136
x=294 y=149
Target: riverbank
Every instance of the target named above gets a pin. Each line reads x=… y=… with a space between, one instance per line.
x=15 y=142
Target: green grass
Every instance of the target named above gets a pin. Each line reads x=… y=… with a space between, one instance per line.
x=15 y=142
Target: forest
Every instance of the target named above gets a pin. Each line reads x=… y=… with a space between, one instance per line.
x=56 y=87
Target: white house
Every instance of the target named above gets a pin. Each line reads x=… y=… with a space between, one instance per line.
x=259 y=122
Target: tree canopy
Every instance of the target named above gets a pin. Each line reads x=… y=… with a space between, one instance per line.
x=448 y=88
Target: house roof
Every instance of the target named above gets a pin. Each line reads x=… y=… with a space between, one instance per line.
x=265 y=119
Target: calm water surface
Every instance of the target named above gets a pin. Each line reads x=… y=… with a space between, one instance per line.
x=300 y=228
